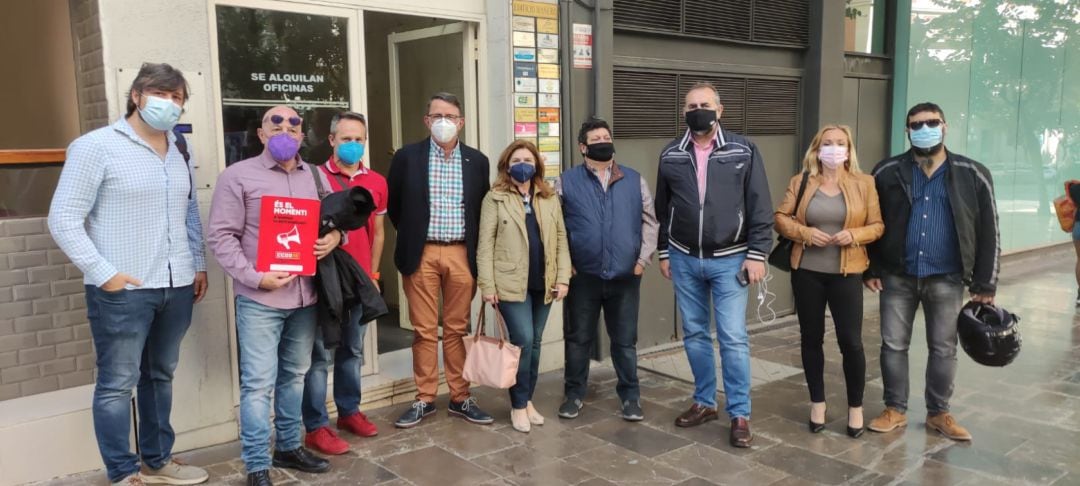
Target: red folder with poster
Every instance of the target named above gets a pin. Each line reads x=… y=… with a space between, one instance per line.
x=288 y=228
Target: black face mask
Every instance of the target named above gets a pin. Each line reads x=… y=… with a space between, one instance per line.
x=701 y=120
x=600 y=152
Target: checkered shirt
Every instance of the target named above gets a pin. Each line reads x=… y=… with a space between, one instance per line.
x=120 y=208
x=447 y=196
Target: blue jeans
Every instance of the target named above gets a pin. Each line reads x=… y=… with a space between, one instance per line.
x=526 y=321
x=275 y=354
x=137 y=336
x=697 y=279
x=941 y=297
x=347 y=359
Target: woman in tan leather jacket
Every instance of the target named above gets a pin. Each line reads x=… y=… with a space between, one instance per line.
x=831 y=225
x=523 y=263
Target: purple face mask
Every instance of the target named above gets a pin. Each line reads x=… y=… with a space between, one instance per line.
x=282 y=147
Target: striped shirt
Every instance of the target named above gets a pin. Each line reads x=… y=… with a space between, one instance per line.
x=447 y=195
x=120 y=208
x=932 y=246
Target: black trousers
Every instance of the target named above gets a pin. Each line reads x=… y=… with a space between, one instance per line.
x=619 y=300
x=843 y=295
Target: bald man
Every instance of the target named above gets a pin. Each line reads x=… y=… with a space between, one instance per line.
x=275 y=311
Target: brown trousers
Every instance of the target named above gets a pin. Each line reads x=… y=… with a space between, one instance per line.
x=442 y=269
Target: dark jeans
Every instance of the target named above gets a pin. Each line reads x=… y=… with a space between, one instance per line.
x=137 y=336
x=526 y=321
x=347 y=359
x=619 y=300
x=813 y=290
x=941 y=297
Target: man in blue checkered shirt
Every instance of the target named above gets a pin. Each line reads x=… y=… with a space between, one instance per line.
x=125 y=213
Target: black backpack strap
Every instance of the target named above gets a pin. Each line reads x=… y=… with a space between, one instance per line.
x=181 y=146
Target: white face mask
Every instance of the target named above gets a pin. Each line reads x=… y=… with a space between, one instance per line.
x=832 y=156
x=444 y=130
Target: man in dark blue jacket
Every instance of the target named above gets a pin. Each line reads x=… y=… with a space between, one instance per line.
x=612 y=228
x=716 y=219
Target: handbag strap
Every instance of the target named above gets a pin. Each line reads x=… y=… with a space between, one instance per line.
x=802 y=190
x=318 y=182
x=502 y=333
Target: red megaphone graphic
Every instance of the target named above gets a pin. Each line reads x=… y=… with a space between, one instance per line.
x=292 y=236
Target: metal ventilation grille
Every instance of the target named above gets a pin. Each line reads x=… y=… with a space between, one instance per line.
x=649 y=14
x=727 y=19
x=732 y=93
x=645 y=104
x=772 y=106
x=782 y=22
x=774 y=22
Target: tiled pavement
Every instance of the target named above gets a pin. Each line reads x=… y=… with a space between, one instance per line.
x=1025 y=419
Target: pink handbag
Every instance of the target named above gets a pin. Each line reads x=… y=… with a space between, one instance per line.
x=491 y=361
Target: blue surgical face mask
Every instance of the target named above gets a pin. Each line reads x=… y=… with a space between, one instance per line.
x=350 y=153
x=160 y=113
x=926 y=137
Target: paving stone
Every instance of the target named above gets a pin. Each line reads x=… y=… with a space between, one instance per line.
x=795 y=461
x=440 y=468
x=639 y=438
x=622 y=466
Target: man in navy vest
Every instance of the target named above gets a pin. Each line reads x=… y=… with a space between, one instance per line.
x=612 y=230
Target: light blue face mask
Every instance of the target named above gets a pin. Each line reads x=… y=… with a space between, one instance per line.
x=350 y=153
x=926 y=137
x=160 y=113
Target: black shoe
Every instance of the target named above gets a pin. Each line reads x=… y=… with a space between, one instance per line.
x=855 y=433
x=416 y=412
x=470 y=410
x=261 y=478
x=815 y=427
x=570 y=408
x=301 y=459
x=631 y=411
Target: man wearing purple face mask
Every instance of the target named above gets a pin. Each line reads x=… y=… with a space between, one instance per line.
x=275 y=311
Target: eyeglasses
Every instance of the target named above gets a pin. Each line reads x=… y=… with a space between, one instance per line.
x=453 y=118
x=917 y=125
x=293 y=120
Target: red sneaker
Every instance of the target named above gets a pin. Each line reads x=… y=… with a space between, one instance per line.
x=326 y=441
x=358 y=424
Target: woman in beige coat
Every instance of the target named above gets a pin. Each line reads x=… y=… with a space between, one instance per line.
x=523 y=263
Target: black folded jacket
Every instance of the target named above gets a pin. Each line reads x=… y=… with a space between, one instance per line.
x=340 y=282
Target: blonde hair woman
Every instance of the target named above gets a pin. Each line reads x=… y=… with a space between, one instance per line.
x=523 y=263
x=837 y=216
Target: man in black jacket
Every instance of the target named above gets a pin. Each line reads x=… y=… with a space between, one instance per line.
x=436 y=188
x=941 y=233
x=712 y=200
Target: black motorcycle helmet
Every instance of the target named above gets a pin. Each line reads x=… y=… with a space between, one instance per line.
x=989 y=334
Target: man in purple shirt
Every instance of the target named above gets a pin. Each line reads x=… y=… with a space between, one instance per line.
x=275 y=311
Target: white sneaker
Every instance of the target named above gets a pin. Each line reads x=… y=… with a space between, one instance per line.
x=174 y=472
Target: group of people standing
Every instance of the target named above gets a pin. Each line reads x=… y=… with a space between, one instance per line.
x=918 y=230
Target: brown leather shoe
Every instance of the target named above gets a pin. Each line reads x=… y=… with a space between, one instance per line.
x=697 y=415
x=889 y=420
x=947 y=426
x=740 y=433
